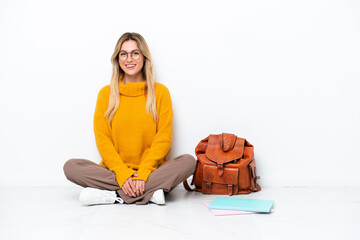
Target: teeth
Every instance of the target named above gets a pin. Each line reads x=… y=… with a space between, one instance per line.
x=130 y=65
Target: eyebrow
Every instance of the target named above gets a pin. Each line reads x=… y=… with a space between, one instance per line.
x=131 y=50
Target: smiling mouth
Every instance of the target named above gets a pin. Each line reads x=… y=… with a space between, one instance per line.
x=130 y=65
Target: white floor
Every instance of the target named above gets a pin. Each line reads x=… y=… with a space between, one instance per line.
x=300 y=213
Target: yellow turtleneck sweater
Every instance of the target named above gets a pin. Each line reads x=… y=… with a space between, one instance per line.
x=133 y=142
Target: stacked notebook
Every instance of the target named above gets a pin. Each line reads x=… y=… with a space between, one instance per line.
x=236 y=206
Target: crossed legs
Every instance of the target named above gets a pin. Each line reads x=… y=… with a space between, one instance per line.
x=167 y=176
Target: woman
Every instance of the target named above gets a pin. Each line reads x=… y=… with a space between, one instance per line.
x=133 y=133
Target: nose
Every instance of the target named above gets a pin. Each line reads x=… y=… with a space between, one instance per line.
x=129 y=57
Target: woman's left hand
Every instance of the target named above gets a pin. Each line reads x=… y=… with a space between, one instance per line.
x=139 y=186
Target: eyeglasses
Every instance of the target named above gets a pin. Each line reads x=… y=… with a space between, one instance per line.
x=135 y=54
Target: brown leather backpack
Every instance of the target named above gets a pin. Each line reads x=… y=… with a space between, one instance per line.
x=226 y=165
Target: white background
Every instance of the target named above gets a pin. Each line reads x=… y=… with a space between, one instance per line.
x=282 y=74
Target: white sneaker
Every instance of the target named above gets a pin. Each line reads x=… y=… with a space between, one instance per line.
x=158 y=197
x=93 y=196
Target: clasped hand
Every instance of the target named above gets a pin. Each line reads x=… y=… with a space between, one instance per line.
x=134 y=188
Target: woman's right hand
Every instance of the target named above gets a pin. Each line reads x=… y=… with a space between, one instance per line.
x=129 y=187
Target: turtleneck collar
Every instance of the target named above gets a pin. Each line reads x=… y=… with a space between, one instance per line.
x=132 y=89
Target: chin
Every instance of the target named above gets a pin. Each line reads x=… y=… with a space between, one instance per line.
x=132 y=74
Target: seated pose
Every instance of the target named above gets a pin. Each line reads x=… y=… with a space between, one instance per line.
x=133 y=124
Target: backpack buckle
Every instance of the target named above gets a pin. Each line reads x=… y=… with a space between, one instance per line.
x=220 y=167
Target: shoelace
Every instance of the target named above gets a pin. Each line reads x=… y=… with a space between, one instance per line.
x=108 y=197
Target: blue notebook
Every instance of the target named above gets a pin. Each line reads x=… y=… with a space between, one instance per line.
x=242 y=204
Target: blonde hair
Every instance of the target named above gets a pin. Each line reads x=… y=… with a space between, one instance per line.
x=117 y=72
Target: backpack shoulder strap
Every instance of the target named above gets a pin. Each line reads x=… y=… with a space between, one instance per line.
x=186 y=185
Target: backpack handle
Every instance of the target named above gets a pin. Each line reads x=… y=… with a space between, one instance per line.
x=227 y=141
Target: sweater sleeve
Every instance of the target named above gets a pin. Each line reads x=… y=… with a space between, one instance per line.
x=104 y=142
x=161 y=143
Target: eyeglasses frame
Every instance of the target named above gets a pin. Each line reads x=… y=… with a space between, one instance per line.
x=131 y=54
